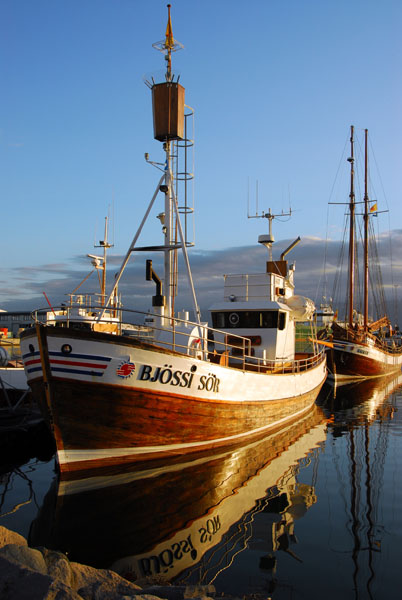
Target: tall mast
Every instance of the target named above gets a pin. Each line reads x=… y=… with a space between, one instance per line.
x=168 y=117
x=168 y=113
x=352 y=206
x=366 y=221
x=168 y=261
x=169 y=220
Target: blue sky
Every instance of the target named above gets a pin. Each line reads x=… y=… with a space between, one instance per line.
x=275 y=86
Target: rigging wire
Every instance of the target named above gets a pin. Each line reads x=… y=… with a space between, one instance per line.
x=331 y=194
x=324 y=270
x=390 y=241
x=339 y=274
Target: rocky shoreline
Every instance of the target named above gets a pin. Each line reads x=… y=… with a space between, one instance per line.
x=41 y=574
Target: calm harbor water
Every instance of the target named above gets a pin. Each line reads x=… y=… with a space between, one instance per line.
x=312 y=511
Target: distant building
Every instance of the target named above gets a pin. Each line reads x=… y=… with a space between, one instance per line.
x=11 y=323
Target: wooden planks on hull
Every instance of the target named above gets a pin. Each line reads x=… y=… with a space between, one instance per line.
x=124 y=426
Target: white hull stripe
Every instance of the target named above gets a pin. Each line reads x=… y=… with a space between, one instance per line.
x=92 y=483
x=72 y=456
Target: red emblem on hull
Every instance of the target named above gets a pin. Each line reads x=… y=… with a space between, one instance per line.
x=126 y=369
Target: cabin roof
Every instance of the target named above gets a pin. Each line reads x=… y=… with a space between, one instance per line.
x=247 y=305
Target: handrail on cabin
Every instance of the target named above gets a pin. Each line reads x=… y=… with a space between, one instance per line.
x=237 y=354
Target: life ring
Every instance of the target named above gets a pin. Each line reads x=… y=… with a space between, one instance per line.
x=234 y=319
x=195 y=347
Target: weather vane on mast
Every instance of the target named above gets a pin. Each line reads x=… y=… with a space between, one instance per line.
x=167 y=46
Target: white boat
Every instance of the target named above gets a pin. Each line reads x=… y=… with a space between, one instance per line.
x=325 y=313
x=117 y=394
x=13 y=379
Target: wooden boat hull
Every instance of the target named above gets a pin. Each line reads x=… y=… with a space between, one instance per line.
x=169 y=405
x=100 y=427
x=350 y=360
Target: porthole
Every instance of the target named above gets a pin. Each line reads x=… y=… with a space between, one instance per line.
x=66 y=348
x=234 y=319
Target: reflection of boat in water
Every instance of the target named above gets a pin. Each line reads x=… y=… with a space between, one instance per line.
x=358 y=401
x=159 y=522
x=359 y=420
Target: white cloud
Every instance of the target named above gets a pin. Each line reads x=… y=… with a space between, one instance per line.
x=27 y=284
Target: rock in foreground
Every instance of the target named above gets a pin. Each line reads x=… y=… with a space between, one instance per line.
x=41 y=574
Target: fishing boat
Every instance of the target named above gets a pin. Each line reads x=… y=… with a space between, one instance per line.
x=82 y=308
x=169 y=386
x=361 y=346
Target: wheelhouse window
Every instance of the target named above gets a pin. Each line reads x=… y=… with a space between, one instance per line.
x=249 y=319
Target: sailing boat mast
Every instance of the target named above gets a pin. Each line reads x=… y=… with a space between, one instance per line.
x=366 y=222
x=352 y=205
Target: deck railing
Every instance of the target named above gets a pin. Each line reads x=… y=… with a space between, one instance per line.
x=387 y=345
x=185 y=337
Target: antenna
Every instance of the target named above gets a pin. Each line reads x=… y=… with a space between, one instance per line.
x=96 y=260
x=102 y=265
x=267 y=239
